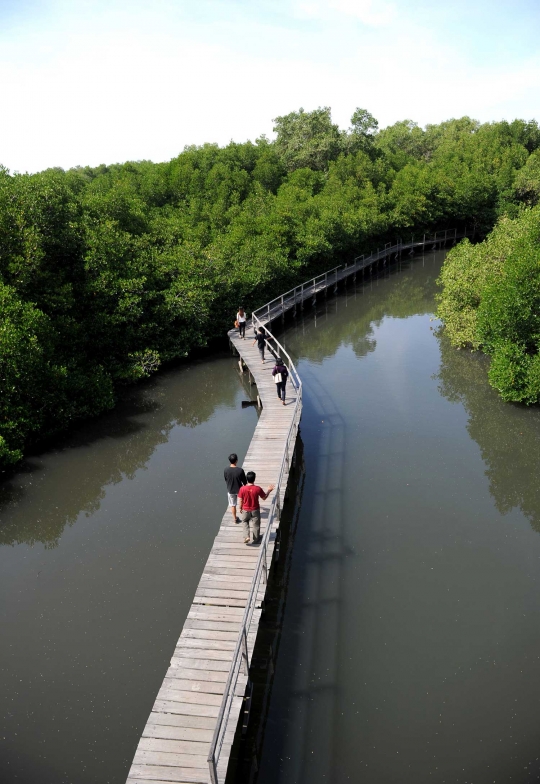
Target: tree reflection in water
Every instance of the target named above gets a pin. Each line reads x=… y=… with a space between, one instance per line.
x=409 y=295
x=508 y=434
x=72 y=478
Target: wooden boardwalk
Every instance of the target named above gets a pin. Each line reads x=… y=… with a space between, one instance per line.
x=190 y=731
x=176 y=741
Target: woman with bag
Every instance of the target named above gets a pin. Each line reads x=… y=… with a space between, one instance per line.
x=240 y=322
x=281 y=374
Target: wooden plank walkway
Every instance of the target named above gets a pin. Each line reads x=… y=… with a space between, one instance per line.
x=175 y=743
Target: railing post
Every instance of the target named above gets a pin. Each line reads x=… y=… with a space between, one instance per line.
x=213 y=769
x=302 y=298
x=265 y=568
x=278 y=508
x=245 y=655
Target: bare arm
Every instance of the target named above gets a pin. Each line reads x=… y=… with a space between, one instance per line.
x=268 y=491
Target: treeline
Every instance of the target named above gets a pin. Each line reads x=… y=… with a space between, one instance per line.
x=490 y=300
x=107 y=272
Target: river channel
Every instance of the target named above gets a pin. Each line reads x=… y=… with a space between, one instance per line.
x=410 y=648
x=410 y=645
x=102 y=544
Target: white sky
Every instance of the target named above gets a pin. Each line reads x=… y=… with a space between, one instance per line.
x=88 y=82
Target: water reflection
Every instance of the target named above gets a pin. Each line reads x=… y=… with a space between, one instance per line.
x=317 y=335
x=52 y=489
x=508 y=435
x=108 y=535
x=409 y=633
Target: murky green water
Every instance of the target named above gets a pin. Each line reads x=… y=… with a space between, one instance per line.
x=102 y=544
x=410 y=651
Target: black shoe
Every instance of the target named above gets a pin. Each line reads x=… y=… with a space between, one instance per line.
x=237 y=520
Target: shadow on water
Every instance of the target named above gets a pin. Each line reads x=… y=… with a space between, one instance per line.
x=317 y=572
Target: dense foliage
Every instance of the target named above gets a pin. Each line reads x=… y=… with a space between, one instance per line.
x=491 y=301
x=107 y=272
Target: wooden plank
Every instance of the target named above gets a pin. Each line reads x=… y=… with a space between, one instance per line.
x=199 y=664
x=211 y=655
x=207 y=687
x=191 y=747
x=185 y=709
x=182 y=720
x=181 y=733
x=178 y=775
x=189 y=697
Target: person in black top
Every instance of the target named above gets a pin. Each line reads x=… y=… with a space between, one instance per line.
x=260 y=340
x=281 y=374
x=234 y=479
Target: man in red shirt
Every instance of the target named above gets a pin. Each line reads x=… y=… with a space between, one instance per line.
x=248 y=497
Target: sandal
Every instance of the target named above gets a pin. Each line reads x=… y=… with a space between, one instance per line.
x=246 y=541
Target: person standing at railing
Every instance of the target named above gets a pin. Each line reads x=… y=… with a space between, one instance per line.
x=281 y=374
x=248 y=497
x=260 y=340
x=241 y=322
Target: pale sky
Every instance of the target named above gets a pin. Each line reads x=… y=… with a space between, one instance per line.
x=84 y=82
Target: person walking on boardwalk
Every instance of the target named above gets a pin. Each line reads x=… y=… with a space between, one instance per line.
x=281 y=374
x=260 y=340
x=249 y=506
x=235 y=479
x=241 y=319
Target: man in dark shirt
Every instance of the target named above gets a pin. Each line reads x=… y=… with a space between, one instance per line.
x=260 y=340
x=234 y=479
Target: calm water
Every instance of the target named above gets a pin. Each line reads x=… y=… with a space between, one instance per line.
x=102 y=544
x=410 y=650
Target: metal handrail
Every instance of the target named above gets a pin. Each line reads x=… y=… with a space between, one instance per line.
x=311 y=286
x=241 y=652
